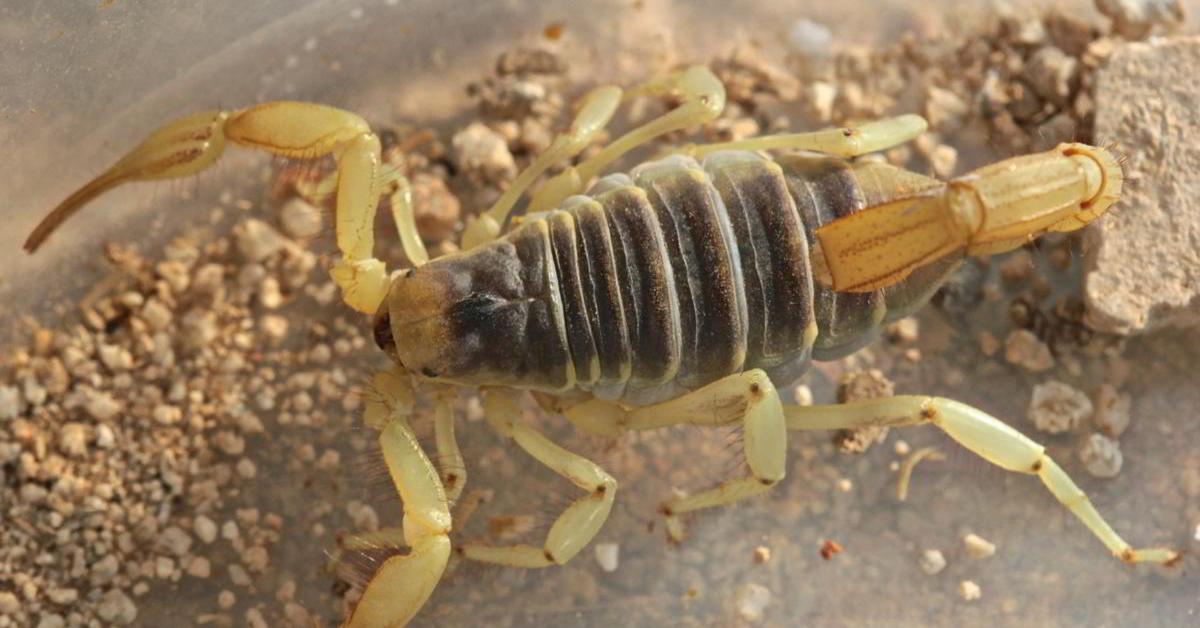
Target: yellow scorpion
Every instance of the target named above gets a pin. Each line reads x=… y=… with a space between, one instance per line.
x=686 y=291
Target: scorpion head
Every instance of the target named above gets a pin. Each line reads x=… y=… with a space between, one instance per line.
x=483 y=316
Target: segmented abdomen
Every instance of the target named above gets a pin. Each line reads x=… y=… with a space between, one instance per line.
x=679 y=274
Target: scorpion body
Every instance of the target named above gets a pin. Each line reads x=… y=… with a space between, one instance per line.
x=682 y=293
x=657 y=283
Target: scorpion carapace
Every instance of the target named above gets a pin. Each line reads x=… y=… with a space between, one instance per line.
x=679 y=294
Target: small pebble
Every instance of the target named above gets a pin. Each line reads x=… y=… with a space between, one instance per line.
x=810 y=38
x=10 y=402
x=299 y=218
x=969 y=591
x=1112 y=411
x=752 y=599
x=483 y=152
x=762 y=554
x=977 y=546
x=988 y=343
x=174 y=541
x=205 y=529
x=116 y=608
x=199 y=567
x=257 y=240
x=73 y=439
x=932 y=562
x=607 y=556
x=1026 y=350
x=1056 y=408
x=904 y=330
x=51 y=620
x=10 y=605
x=226 y=599
x=1101 y=456
x=62 y=597
x=101 y=406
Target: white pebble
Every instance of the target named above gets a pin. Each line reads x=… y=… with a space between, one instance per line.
x=1057 y=407
x=1101 y=456
x=752 y=599
x=932 y=562
x=105 y=438
x=607 y=555
x=1196 y=534
x=977 y=546
x=969 y=591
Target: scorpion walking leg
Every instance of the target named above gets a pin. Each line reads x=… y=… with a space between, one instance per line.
x=288 y=129
x=579 y=523
x=450 y=460
x=595 y=112
x=749 y=397
x=990 y=438
x=841 y=142
x=403 y=583
x=703 y=98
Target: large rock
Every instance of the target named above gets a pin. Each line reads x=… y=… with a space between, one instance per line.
x=1143 y=265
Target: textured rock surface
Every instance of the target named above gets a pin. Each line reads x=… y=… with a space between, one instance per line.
x=1143 y=270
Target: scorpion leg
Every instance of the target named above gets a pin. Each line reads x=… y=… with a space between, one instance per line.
x=579 y=523
x=990 y=438
x=403 y=583
x=703 y=98
x=450 y=460
x=748 y=397
x=297 y=130
x=595 y=112
x=841 y=142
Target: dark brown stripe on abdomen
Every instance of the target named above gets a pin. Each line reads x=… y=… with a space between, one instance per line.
x=774 y=252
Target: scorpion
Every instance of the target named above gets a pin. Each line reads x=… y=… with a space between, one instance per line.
x=684 y=292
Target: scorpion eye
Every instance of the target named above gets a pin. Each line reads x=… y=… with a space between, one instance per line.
x=383 y=331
